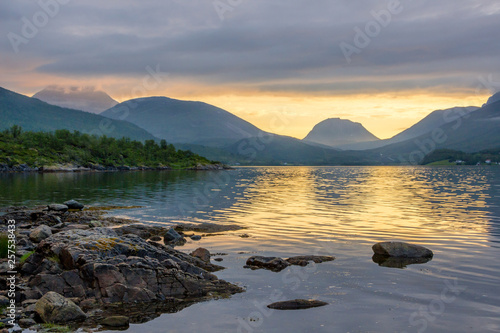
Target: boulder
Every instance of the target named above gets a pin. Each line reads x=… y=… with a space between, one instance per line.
x=54 y=308
x=173 y=237
x=195 y=237
x=296 y=304
x=58 y=208
x=274 y=264
x=116 y=321
x=401 y=250
x=201 y=253
x=40 y=233
x=73 y=204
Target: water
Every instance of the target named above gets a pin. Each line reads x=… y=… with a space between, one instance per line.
x=339 y=211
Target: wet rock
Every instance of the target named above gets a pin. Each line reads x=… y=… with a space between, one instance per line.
x=156 y=239
x=54 y=308
x=401 y=250
x=398 y=262
x=173 y=237
x=201 y=253
x=196 y=237
x=58 y=208
x=73 y=204
x=296 y=304
x=40 y=233
x=116 y=321
x=304 y=260
x=218 y=259
x=26 y=322
x=274 y=264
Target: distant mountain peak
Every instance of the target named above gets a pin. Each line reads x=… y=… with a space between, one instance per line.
x=87 y=99
x=336 y=131
x=493 y=99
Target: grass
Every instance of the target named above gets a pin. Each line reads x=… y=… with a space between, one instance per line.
x=4 y=243
x=55 y=259
x=26 y=256
x=442 y=162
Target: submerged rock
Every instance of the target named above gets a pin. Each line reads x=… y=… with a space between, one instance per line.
x=304 y=260
x=296 y=304
x=54 y=308
x=116 y=321
x=401 y=250
x=73 y=204
x=274 y=264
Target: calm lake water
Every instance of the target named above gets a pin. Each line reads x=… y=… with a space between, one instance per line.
x=340 y=211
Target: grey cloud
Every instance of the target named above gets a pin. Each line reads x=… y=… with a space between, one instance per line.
x=430 y=44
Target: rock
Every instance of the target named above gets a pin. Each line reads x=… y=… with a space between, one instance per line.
x=398 y=262
x=26 y=322
x=196 y=237
x=304 y=260
x=95 y=224
x=156 y=239
x=58 y=208
x=4 y=301
x=274 y=264
x=173 y=237
x=73 y=204
x=201 y=253
x=245 y=236
x=40 y=233
x=126 y=269
x=296 y=304
x=401 y=250
x=218 y=259
x=116 y=321
x=54 y=308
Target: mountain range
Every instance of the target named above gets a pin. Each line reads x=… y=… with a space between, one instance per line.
x=219 y=135
x=34 y=115
x=84 y=99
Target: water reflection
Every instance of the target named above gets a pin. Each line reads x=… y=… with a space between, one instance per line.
x=395 y=262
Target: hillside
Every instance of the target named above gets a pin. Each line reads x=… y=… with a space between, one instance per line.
x=476 y=131
x=84 y=99
x=335 y=132
x=34 y=115
x=433 y=120
x=42 y=149
x=183 y=121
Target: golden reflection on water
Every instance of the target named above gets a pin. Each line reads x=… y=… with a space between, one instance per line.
x=371 y=204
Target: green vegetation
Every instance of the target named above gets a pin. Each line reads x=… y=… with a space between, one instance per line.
x=37 y=149
x=450 y=157
x=25 y=257
x=4 y=242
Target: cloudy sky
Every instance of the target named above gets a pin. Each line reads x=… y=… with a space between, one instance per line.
x=281 y=65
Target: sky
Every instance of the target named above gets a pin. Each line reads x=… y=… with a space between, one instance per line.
x=282 y=65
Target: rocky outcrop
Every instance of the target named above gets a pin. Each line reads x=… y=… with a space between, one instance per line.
x=296 y=304
x=401 y=250
x=54 y=308
x=98 y=264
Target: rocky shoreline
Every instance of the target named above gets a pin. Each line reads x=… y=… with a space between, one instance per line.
x=81 y=269
x=24 y=168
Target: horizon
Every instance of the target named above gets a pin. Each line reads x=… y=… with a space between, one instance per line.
x=385 y=65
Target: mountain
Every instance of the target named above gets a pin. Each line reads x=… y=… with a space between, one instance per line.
x=85 y=99
x=34 y=115
x=493 y=99
x=184 y=121
x=432 y=121
x=335 y=132
x=473 y=132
